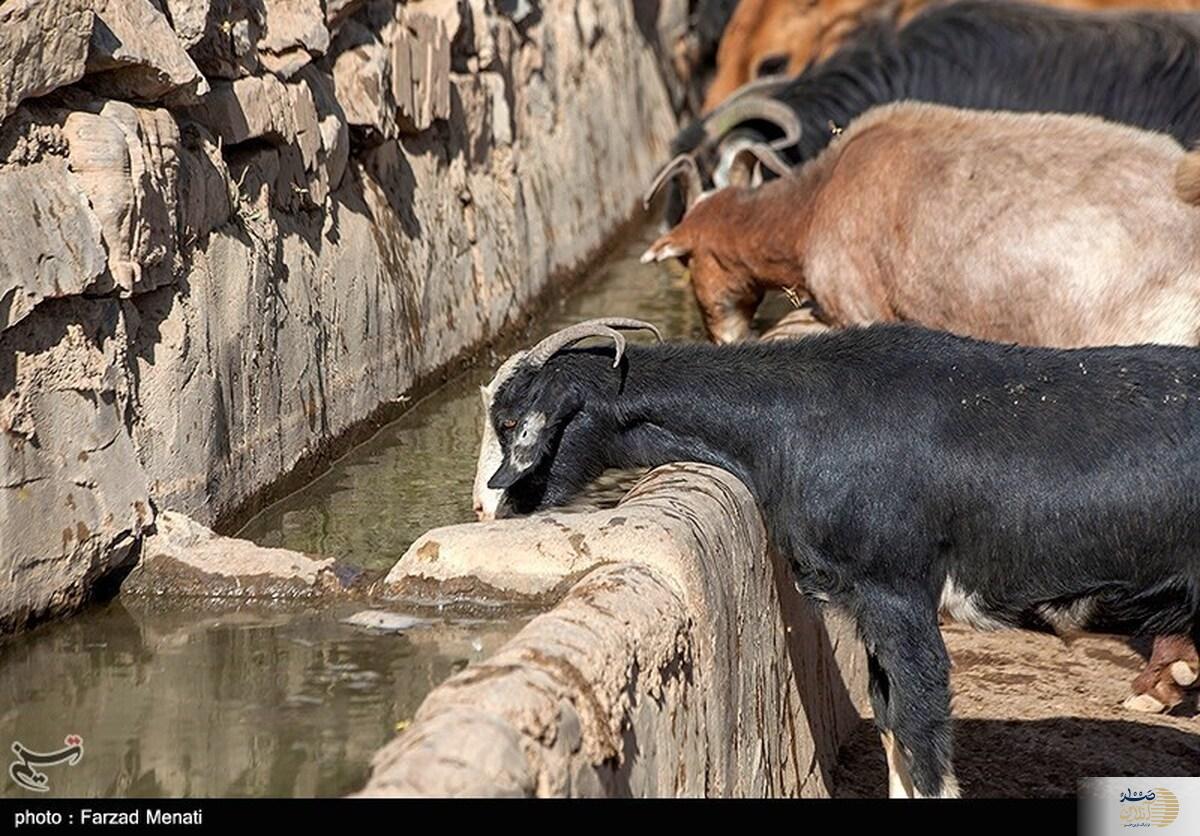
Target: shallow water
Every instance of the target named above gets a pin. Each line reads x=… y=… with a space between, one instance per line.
x=249 y=702
x=176 y=699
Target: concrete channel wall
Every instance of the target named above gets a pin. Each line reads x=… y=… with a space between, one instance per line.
x=680 y=660
x=236 y=230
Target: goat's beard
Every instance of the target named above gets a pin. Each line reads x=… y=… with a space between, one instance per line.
x=543 y=488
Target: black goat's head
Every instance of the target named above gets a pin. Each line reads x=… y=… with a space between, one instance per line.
x=535 y=445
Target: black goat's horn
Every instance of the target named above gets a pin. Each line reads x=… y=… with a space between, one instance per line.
x=755 y=107
x=767 y=85
x=685 y=166
x=761 y=152
x=606 y=327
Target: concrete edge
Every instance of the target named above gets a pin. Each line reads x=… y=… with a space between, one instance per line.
x=682 y=663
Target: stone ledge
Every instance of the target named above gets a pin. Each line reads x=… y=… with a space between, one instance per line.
x=186 y=559
x=681 y=663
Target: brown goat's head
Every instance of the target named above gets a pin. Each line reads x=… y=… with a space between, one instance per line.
x=709 y=245
x=714 y=240
x=710 y=238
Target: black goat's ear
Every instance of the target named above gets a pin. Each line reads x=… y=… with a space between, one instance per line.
x=563 y=407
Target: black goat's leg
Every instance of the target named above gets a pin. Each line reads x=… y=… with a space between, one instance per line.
x=910 y=693
x=899 y=780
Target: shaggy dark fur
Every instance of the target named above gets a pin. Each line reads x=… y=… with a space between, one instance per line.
x=1142 y=69
x=1050 y=487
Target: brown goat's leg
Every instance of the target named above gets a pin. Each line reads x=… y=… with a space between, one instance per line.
x=725 y=326
x=1174 y=665
x=727 y=308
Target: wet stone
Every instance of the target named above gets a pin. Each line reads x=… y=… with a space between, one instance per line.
x=384 y=621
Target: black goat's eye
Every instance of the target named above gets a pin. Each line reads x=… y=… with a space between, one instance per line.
x=508 y=423
x=771 y=65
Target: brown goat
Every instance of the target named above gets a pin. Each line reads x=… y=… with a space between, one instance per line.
x=785 y=36
x=1044 y=229
x=1041 y=229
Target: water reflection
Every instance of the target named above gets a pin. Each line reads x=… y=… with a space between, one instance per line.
x=249 y=702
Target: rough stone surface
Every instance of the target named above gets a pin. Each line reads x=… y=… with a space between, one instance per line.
x=184 y=558
x=256 y=107
x=362 y=74
x=337 y=11
x=51 y=246
x=396 y=79
x=135 y=54
x=334 y=131
x=294 y=24
x=420 y=53
x=189 y=19
x=43 y=45
x=682 y=662
x=73 y=496
x=295 y=31
x=126 y=159
x=221 y=36
x=275 y=260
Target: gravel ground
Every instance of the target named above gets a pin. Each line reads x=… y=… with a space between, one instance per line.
x=1034 y=713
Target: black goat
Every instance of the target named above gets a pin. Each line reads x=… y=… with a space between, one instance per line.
x=1141 y=69
x=899 y=470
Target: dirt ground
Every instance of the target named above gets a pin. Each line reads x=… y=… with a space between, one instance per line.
x=1034 y=713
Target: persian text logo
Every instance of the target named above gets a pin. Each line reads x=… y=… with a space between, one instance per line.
x=1158 y=807
x=24 y=769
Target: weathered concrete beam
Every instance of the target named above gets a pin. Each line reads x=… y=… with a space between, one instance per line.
x=795 y=324
x=681 y=662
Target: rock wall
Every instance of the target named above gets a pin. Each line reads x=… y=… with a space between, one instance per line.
x=238 y=228
x=680 y=662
